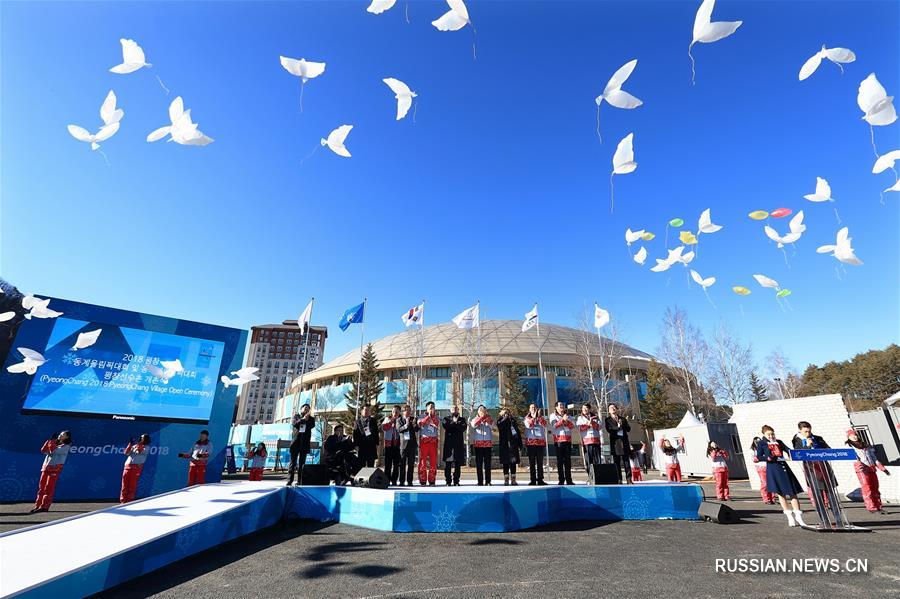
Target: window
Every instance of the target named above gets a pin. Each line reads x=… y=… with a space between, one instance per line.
x=440 y=372
x=532 y=371
x=347 y=378
x=736 y=443
x=399 y=374
x=863 y=433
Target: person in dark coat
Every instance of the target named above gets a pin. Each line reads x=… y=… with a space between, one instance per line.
x=510 y=444
x=779 y=478
x=820 y=479
x=303 y=424
x=407 y=427
x=454 y=445
x=618 y=429
x=365 y=438
x=337 y=456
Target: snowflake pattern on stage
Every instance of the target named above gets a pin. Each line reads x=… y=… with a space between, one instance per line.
x=97 y=483
x=445 y=520
x=206 y=381
x=68 y=358
x=635 y=508
x=186 y=538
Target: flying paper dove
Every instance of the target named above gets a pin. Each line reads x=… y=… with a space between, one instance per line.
x=181 y=130
x=86 y=340
x=110 y=116
x=835 y=55
x=706 y=31
x=613 y=93
x=335 y=141
x=304 y=69
x=842 y=250
x=403 y=94
x=33 y=361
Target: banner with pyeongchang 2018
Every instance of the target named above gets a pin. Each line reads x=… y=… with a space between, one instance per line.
x=143 y=374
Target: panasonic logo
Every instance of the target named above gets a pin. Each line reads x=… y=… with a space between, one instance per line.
x=117 y=417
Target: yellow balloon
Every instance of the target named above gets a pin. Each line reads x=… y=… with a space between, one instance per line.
x=741 y=290
x=687 y=238
x=647 y=236
x=759 y=215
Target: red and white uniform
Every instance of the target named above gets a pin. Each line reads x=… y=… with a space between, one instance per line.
x=635 y=462
x=257 y=459
x=561 y=428
x=718 y=459
x=763 y=487
x=482 y=433
x=670 y=459
x=535 y=431
x=200 y=454
x=429 y=434
x=56 y=455
x=866 y=465
x=389 y=432
x=134 y=463
x=590 y=430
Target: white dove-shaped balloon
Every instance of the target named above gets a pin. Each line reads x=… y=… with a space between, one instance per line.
x=244 y=375
x=248 y=372
x=335 y=141
x=166 y=369
x=877 y=106
x=842 y=249
x=673 y=257
x=33 y=360
x=109 y=114
x=632 y=236
x=706 y=31
x=454 y=19
x=623 y=159
x=613 y=93
x=38 y=308
x=705 y=283
x=641 y=256
x=132 y=58
x=379 y=6
x=705 y=224
x=302 y=68
x=795 y=226
x=766 y=282
x=7 y=316
x=886 y=161
x=823 y=192
x=835 y=55
x=182 y=130
x=86 y=340
x=403 y=94
x=687 y=258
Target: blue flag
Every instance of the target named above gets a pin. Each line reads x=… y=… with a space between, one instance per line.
x=352 y=316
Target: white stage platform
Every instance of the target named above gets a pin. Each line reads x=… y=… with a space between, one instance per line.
x=34 y=556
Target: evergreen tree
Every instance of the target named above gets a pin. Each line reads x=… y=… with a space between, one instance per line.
x=757 y=389
x=656 y=409
x=371 y=384
x=514 y=390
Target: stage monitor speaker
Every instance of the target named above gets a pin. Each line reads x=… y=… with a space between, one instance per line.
x=314 y=475
x=373 y=478
x=717 y=512
x=605 y=474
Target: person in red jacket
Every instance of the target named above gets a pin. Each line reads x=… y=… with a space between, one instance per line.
x=55 y=451
x=561 y=425
x=635 y=461
x=718 y=457
x=257 y=456
x=429 y=434
x=591 y=439
x=866 y=465
x=483 y=440
x=670 y=458
x=199 y=456
x=134 y=463
x=535 y=443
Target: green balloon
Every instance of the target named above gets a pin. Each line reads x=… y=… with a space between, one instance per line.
x=783 y=293
x=676 y=222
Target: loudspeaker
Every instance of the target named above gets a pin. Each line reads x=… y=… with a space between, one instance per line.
x=604 y=474
x=717 y=512
x=314 y=475
x=373 y=478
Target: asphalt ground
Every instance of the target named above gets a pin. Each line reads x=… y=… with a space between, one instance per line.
x=627 y=559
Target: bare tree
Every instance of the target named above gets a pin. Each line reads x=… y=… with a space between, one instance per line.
x=732 y=367
x=684 y=350
x=784 y=382
x=598 y=361
x=411 y=346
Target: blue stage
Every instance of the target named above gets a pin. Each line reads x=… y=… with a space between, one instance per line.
x=491 y=509
x=136 y=538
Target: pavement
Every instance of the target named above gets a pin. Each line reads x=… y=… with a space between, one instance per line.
x=629 y=559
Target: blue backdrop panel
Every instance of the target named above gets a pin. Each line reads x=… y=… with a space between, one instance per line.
x=242 y=520
x=94 y=467
x=414 y=511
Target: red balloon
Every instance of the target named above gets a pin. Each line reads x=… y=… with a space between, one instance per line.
x=781 y=212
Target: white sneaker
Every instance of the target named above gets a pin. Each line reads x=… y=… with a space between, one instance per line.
x=790 y=517
x=798 y=516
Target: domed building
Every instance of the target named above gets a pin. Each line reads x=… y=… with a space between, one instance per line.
x=443 y=358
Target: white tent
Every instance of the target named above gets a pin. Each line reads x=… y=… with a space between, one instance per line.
x=689 y=420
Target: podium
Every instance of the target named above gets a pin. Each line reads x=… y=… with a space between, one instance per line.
x=821 y=484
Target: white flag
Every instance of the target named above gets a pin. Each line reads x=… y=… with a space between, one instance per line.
x=414 y=315
x=531 y=319
x=468 y=318
x=305 y=317
x=601 y=317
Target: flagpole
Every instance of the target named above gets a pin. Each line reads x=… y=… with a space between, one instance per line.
x=543 y=396
x=362 y=332
x=305 y=352
x=602 y=364
x=421 y=373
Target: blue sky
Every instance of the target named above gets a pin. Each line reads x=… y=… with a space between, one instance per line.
x=500 y=189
